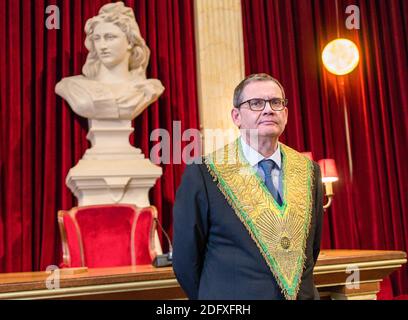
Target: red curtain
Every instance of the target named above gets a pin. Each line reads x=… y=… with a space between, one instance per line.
x=41 y=138
x=285 y=39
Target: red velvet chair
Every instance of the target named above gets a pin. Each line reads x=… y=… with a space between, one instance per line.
x=108 y=235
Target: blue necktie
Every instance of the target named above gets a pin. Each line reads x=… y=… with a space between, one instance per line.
x=267 y=165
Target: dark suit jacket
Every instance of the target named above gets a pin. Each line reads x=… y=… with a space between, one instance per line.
x=214 y=256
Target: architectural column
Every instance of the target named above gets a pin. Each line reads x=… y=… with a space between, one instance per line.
x=220 y=65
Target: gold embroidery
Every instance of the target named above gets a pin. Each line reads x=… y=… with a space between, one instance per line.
x=280 y=232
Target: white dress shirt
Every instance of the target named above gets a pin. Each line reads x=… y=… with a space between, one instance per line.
x=254 y=157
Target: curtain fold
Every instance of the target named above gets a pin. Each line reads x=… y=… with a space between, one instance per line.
x=41 y=138
x=285 y=39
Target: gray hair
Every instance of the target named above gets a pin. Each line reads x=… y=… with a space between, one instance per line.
x=252 y=78
x=124 y=18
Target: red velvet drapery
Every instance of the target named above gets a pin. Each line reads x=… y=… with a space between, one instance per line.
x=285 y=39
x=41 y=138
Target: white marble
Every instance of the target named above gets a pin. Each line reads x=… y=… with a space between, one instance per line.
x=111 y=91
x=113 y=84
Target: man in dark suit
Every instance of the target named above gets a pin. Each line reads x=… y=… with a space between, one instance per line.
x=248 y=221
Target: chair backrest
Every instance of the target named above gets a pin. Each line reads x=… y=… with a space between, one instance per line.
x=108 y=235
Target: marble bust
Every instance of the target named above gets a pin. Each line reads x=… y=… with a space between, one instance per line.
x=113 y=84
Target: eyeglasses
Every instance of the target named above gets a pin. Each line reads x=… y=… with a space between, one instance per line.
x=258 y=104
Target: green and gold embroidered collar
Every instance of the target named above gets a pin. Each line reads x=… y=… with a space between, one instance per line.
x=280 y=232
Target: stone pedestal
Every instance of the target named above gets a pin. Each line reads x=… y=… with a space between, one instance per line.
x=112 y=170
x=113 y=181
x=110 y=141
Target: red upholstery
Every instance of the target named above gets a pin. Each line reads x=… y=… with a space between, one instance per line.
x=108 y=235
x=72 y=256
x=144 y=234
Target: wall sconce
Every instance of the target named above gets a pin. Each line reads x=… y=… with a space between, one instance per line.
x=329 y=175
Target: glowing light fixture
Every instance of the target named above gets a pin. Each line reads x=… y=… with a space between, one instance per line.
x=329 y=175
x=340 y=56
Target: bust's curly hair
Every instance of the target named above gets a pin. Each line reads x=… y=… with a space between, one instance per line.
x=124 y=18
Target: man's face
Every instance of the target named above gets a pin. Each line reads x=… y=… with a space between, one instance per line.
x=268 y=122
x=111 y=44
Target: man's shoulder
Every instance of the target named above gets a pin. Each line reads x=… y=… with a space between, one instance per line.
x=196 y=166
x=299 y=155
x=198 y=173
x=295 y=153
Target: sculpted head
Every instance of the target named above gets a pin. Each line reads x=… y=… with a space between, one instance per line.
x=112 y=36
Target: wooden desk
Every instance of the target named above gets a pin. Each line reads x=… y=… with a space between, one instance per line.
x=336 y=268
x=147 y=282
x=137 y=282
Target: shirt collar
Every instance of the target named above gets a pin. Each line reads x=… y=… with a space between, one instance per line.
x=253 y=156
